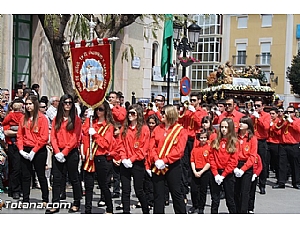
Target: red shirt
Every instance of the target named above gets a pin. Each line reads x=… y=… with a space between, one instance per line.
x=135 y=149
x=261 y=125
x=235 y=116
x=37 y=137
x=119 y=113
x=247 y=151
x=275 y=131
x=221 y=159
x=200 y=155
x=63 y=139
x=257 y=166
x=103 y=141
x=290 y=132
x=115 y=148
x=157 y=140
x=13 y=118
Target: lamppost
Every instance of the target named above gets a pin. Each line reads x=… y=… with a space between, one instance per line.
x=185 y=43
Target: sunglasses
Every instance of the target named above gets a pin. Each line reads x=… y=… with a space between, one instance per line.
x=100 y=109
x=157 y=100
x=163 y=113
x=280 y=110
x=132 y=113
x=28 y=103
x=43 y=106
x=68 y=102
x=228 y=104
x=289 y=111
x=193 y=100
x=257 y=105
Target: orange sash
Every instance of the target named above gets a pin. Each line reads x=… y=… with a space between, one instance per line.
x=89 y=165
x=165 y=150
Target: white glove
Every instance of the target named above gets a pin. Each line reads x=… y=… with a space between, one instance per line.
x=92 y=131
x=218 y=113
x=290 y=119
x=160 y=164
x=192 y=108
x=60 y=157
x=255 y=114
x=127 y=163
x=271 y=123
x=31 y=155
x=218 y=179
x=239 y=173
x=236 y=171
x=253 y=177
x=154 y=108
x=90 y=112
x=149 y=172
x=111 y=106
x=24 y=154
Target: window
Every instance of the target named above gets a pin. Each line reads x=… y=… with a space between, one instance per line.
x=242 y=21
x=266 y=20
x=241 y=54
x=22 y=49
x=210 y=24
x=265 y=53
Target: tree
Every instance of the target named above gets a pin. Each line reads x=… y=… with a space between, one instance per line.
x=293 y=74
x=107 y=25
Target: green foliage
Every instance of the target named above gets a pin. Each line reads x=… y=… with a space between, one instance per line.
x=79 y=27
x=293 y=74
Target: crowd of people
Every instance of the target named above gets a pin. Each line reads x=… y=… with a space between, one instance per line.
x=165 y=150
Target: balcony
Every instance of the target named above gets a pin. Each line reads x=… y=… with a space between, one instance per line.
x=263 y=59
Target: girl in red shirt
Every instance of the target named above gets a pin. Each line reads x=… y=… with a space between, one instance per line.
x=244 y=169
x=135 y=137
x=102 y=131
x=167 y=145
x=32 y=138
x=223 y=159
x=65 y=137
x=201 y=170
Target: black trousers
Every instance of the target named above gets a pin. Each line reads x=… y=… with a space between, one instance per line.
x=116 y=178
x=252 y=195
x=138 y=173
x=71 y=164
x=39 y=165
x=14 y=167
x=187 y=172
x=228 y=184
x=199 y=189
x=273 y=151
x=289 y=153
x=263 y=153
x=173 y=178
x=148 y=189
x=242 y=190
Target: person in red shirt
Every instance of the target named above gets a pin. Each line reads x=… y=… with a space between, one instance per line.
x=289 y=149
x=32 y=138
x=118 y=112
x=101 y=130
x=201 y=171
x=257 y=168
x=135 y=137
x=261 y=122
x=244 y=170
x=231 y=112
x=65 y=137
x=167 y=145
x=223 y=159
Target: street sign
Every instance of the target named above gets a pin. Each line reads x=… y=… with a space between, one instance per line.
x=185 y=86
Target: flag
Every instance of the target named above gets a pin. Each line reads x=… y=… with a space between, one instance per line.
x=167 y=49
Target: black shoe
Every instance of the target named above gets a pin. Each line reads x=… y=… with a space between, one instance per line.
x=63 y=197
x=120 y=207
x=193 y=210
x=278 y=186
x=74 y=209
x=200 y=211
x=16 y=195
x=52 y=211
x=297 y=186
x=262 y=190
x=115 y=195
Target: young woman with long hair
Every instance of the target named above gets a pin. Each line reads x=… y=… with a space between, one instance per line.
x=135 y=137
x=223 y=159
x=32 y=138
x=102 y=131
x=65 y=137
x=244 y=169
x=167 y=144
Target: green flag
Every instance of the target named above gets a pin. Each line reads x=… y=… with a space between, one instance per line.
x=167 y=49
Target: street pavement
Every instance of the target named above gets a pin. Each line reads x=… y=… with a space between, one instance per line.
x=275 y=201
